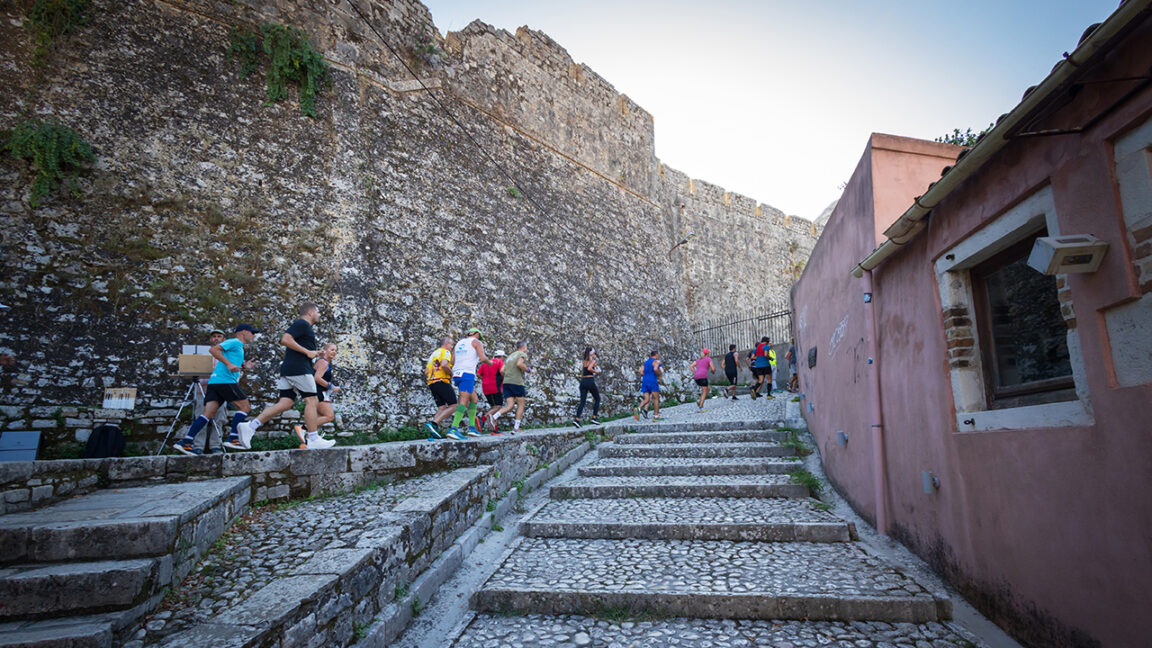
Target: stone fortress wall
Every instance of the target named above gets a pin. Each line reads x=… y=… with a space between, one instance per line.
x=207 y=207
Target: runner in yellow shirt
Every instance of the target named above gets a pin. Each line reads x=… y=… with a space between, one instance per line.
x=438 y=373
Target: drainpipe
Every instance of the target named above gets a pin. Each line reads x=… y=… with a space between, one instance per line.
x=876 y=414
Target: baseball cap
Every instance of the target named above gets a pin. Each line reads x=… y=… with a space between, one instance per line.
x=705 y=351
x=215 y=331
x=247 y=327
x=500 y=353
x=476 y=331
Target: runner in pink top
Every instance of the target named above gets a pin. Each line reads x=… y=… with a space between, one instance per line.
x=704 y=367
x=491 y=380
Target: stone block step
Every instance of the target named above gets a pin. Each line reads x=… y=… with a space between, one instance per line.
x=124 y=523
x=706 y=578
x=74 y=632
x=725 y=436
x=683 y=466
x=680 y=486
x=32 y=591
x=694 y=450
x=693 y=518
x=486 y=630
x=649 y=426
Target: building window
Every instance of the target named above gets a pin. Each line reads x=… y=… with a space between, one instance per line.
x=1014 y=355
x=1025 y=337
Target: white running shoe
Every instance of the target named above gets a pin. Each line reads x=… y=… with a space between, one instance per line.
x=244 y=429
x=319 y=443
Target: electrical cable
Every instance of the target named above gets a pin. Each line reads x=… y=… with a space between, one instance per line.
x=447 y=112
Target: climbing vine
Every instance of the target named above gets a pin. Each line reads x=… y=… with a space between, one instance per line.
x=56 y=152
x=48 y=19
x=290 y=57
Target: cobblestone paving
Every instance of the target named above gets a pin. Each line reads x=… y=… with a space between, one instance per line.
x=687 y=510
x=701 y=566
x=720 y=409
x=266 y=543
x=565 y=631
x=690 y=466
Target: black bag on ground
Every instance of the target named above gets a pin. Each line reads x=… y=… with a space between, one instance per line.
x=105 y=441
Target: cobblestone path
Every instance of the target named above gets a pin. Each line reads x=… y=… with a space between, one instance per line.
x=694 y=539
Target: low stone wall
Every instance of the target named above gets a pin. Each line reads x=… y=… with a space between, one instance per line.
x=284 y=474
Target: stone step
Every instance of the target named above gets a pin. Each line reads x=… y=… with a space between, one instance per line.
x=648 y=426
x=683 y=466
x=694 y=450
x=486 y=630
x=706 y=578
x=33 y=591
x=726 y=436
x=692 y=518
x=680 y=486
x=74 y=632
x=125 y=523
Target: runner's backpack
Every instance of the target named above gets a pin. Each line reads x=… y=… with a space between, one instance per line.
x=105 y=441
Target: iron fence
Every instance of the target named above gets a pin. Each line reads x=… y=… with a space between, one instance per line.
x=745 y=329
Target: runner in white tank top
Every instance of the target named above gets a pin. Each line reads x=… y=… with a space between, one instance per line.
x=466 y=357
x=467 y=353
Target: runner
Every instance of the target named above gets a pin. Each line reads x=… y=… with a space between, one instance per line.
x=650 y=386
x=732 y=370
x=762 y=367
x=208 y=438
x=296 y=381
x=492 y=382
x=467 y=353
x=514 y=390
x=438 y=373
x=704 y=366
x=588 y=372
x=794 y=378
x=223 y=387
x=325 y=388
x=751 y=359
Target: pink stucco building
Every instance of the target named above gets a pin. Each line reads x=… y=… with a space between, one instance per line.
x=994 y=417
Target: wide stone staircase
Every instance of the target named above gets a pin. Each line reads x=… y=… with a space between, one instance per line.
x=697 y=538
x=74 y=573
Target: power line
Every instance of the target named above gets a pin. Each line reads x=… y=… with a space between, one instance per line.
x=447 y=112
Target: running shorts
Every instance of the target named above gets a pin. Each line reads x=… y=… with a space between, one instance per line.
x=223 y=393
x=495 y=399
x=465 y=382
x=732 y=377
x=442 y=393
x=703 y=382
x=647 y=387
x=290 y=386
x=514 y=391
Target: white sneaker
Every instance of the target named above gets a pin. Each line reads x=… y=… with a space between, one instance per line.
x=319 y=443
x=246 y=433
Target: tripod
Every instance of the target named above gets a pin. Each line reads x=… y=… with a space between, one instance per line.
x=195 y=389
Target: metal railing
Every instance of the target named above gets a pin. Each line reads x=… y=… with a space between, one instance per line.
x=745 y=329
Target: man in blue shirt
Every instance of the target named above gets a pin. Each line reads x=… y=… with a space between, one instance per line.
x=224 y=387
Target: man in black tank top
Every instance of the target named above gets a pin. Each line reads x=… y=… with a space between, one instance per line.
x=732 y=369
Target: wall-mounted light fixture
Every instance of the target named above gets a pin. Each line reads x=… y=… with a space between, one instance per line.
x=682 y=242
x=842 y=437
x=1080 y=253
x=931 y=483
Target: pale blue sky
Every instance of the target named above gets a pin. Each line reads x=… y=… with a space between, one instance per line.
x=776 y=99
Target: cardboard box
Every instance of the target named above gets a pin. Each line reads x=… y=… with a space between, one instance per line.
x=194 y=364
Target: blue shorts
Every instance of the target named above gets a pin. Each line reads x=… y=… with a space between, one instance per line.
x=649 y=386
x=514 y=391
x=465 y=382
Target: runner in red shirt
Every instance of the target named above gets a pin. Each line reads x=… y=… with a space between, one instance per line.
x=491 y=381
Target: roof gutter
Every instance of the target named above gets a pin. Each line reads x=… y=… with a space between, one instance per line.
x=912 y=221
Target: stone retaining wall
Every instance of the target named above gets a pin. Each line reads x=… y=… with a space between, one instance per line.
x=283 y=474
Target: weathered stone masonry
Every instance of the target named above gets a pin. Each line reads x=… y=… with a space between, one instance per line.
x=207 y=207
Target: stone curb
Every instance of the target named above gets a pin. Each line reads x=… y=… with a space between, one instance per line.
x=653 y=470
x=759 y=532
x=753 y=605
x=392 y=621
x=600 y=491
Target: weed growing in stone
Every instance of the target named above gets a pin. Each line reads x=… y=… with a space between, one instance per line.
x=290 y=57
x=491 y=506
x=497 y=528
x=513 y=191
x=592 y=438
x=48 y=19
x=360 y=630
x=795 y=399
x=400 y=591
x=807 y=479
x=793 y=441
x=56 y=152
x=417 y=606
x=817 y=505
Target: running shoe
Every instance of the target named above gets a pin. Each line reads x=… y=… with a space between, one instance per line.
x=433 y=431
x=233 y=443
x=700 y=409
x=246 y=433
x=215 y=450
x=645 y=413
x=657 y=418
x=734 y=398
x=769 y=396
x=494 y=425
x=636 y=415
x=473 y=432
x=184 y=446
x=576 y=422
x=496 y=433
x=299 y=430
x=455 y=434
x=319 y=443
x=593 y=421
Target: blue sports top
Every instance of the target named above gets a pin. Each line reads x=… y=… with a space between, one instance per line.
x=233 y=349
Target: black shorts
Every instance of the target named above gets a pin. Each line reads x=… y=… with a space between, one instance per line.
x=703 y=382
x=731 y=377
x=442 y=393
x=514 y=391
x=323 y=396
x=223 y=393
x=761 y=371
x=494 y=399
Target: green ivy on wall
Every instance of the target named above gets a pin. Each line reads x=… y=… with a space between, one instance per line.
x=55 y=151
x=290 y=57
x=51 y=18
